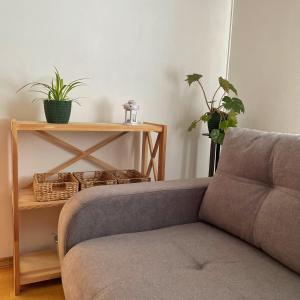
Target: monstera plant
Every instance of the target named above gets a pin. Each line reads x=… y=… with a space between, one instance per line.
x=222 y=113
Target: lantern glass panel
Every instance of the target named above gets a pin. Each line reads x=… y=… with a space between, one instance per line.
x=134 y=116
x=129 y=116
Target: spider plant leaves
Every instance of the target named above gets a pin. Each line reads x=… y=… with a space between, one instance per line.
x=33 y=84
x=37 y=99
x=39 y=91
x=68 y=88
x=77 y=102
x=57 y=90
x=193 y=78
x=226 y=85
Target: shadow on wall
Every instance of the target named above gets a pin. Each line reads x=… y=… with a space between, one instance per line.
x=190 y=154
x=98 y=110
x=104 y=111
x=18 y=105
x=22 y=108
x=184 y=112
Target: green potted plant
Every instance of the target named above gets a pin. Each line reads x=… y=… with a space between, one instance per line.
x=222 y=113
x=57 y=102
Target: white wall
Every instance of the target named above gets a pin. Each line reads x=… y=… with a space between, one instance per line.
x=140 y=49
x=265 y=64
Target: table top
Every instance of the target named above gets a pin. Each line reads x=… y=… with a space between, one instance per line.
x=43 y=126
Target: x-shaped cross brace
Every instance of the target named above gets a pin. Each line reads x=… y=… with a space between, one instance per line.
x=147 y=167
x=80 y=154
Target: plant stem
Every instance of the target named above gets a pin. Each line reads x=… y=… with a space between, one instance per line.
x=221 y=99
x=209 y=108
x=213 y=98
x=220 y=106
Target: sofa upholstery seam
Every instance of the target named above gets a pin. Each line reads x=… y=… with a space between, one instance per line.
x=243 y=179
x=258 y=182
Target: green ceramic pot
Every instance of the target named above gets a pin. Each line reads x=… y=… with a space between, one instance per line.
x=57 y=111
x=213 y=122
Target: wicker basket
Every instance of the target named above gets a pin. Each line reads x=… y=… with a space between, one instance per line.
x=129 y=176
x=94 y=178
x=62 y=187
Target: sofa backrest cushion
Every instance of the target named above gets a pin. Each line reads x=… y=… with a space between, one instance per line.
x=255 y=193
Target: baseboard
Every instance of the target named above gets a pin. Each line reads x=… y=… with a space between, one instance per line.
x=6 y=262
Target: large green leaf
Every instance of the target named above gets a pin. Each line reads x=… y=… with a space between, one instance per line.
x=234 y=104
x=193 y=125
x=226 y=85
x=193 y=78
x=206 y=117
x=217 y=136
x=232 y=119
x=239 y=105
x=224 y=124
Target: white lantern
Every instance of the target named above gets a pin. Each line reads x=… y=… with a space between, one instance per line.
x=131 y=110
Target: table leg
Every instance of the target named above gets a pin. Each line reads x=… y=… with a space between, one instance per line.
x=162 y=153
x=144 y=159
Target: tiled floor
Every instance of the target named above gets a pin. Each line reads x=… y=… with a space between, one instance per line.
x=51 y=290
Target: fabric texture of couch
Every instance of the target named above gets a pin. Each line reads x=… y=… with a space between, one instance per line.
x=255 y=194
x=145 y=241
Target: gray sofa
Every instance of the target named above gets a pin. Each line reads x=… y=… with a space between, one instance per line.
x=235 y=236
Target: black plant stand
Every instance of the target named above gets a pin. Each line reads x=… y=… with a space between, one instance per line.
x=213 y=157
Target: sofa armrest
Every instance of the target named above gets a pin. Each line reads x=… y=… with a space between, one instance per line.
x=108 y=210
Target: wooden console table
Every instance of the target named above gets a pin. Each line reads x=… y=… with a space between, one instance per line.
x=44 y=265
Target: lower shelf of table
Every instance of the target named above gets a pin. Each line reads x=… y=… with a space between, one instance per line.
x=39 y=266
x=27 y=201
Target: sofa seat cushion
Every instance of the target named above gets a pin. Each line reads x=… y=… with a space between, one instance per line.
x=191 y=261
